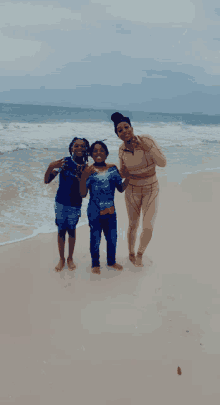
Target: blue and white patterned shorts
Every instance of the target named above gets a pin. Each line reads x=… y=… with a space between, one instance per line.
x=67 y=217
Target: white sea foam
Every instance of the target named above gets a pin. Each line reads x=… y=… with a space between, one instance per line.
x=29 y=148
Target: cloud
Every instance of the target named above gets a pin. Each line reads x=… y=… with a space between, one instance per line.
x=15 y=48
x=26 y=53
x=20 y=22
x=107 y=42
x=27 y=14
x=152 y=12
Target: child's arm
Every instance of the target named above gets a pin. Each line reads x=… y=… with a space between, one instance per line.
x=123 y=170
x=123 y=186
x=51 y=173
x=85 y=175
x=82 y=187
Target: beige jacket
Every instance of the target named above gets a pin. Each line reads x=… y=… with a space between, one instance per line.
x=140 y=164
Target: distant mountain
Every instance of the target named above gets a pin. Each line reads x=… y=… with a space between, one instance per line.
x=129 y=97
x=46 y=113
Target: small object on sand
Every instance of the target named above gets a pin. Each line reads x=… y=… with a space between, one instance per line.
x=187 y=331
x=179 y=371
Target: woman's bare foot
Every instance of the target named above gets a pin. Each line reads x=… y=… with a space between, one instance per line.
x=96 y=270
x=117 y=266
x=60 y=265
x=70 y=264
x=132 y=258
x=138 y=261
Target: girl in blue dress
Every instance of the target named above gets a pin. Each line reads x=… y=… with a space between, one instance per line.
x=101 y=179
x=68 y=200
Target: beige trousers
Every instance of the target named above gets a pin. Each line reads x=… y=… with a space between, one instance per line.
x=143 y=198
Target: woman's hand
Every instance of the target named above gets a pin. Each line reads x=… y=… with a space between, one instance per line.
x=151 y=146
x=147 y=144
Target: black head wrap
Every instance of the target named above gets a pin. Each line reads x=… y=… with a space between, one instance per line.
x=117 y=118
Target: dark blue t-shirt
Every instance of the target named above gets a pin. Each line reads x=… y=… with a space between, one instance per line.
x=68 y=191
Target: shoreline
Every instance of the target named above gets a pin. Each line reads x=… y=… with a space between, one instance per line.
x=36 y=232
x=120 y=206
x=162 y=178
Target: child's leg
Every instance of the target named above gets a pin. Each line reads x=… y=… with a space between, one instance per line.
x=72 y=240
x=60 y=212
x=61 y=243
x=109 y=225
x=74 y=214
x=61 y=247
x=95 y=239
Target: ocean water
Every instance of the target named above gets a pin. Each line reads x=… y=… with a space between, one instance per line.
x=33 y=136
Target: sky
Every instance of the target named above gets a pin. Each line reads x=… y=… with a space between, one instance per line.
x=161 y=54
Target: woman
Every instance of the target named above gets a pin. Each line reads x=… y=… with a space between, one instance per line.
x=68 y=200
x=139 y=155
x=101 y=179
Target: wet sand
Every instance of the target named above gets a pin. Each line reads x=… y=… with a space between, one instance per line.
x=118 y=338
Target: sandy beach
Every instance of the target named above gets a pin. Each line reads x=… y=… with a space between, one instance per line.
x=118 y=338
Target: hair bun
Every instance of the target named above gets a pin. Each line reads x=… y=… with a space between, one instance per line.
x=116 y=117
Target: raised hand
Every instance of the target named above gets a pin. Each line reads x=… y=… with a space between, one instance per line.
x=89 y=170
x=61 y=163
x=148 y=144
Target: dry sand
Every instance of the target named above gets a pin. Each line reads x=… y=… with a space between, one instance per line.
x=118 y=338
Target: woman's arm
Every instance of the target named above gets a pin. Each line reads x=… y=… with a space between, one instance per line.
x=154 y=151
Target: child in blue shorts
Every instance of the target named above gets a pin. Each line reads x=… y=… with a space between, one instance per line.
x=101 y=179
x=68 y=200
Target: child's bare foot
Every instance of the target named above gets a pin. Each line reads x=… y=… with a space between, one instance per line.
x=138 y=261
x=70 y=264
x=60 y=265
x=132 y=258
x=96 y=270
x=117 y=266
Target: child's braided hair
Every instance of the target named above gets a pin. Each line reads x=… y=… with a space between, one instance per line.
x=85 y=157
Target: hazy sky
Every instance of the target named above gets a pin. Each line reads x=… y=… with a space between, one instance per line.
x=173 y=45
